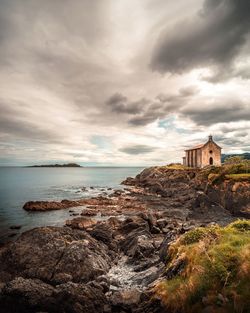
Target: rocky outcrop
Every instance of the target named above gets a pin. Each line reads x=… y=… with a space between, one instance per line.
x=55 y=255
x=192 y=189
x=231 y=195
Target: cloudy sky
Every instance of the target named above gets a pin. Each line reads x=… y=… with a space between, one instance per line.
x=122 y=82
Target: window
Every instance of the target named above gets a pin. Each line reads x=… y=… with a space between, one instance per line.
x=211 y=161
x=210 y=151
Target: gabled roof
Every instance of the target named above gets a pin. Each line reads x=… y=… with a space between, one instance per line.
x=203 y=144
x=196 y=147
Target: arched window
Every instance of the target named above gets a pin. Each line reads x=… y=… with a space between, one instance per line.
x=211 y=161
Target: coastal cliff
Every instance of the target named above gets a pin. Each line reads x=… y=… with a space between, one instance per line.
x=144 y=252
x=209 y=187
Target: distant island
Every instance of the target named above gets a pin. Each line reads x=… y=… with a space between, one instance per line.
x=57 y=165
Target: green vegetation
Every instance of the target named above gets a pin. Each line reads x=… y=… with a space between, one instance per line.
x=215 y=271
x=233 y=160
x=175 y=166
x=235 y=168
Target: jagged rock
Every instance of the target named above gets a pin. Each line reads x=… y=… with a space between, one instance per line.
x=104 y=233
x=138 y=245
x=163 y=252
x=133 y=223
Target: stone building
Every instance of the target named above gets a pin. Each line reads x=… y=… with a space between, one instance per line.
x=202 y=155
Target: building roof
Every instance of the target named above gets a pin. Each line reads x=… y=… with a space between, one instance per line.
x=196 y=147
x=210 y=139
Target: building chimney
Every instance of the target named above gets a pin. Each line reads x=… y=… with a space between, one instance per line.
x=210 y=138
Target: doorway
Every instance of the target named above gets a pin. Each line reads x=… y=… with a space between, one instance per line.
x=211 y=161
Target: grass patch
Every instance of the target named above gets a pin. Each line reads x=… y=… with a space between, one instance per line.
x=216 y=270
x=218 y=174
x=239 y=177
x=175 y=166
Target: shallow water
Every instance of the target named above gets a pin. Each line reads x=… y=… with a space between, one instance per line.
x=19 y=185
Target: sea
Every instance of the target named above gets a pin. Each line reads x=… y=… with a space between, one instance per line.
x=21 y=184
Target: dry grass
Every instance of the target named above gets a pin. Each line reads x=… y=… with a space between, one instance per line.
x=216 y=272
x=175 y=166
x=239 y=177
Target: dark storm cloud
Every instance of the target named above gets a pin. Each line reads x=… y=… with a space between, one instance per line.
x=137 y=149
x=230 y=141
x=220 y=111
x=163 y=105
x=120 y=104
x=212 y=38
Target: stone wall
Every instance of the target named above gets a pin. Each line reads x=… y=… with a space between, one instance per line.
x=211 y=150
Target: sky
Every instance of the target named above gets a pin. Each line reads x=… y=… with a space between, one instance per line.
x=122 y=82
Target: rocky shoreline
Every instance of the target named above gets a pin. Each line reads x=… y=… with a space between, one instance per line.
x=112 y=264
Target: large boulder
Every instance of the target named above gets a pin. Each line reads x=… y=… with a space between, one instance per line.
x=49 y=205
x=55 y=255
x=32 y=295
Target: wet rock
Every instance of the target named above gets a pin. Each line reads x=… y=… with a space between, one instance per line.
x=16 y=227
x=51 y=205
x=81 y=223
x=88 y=212
x=43 y=206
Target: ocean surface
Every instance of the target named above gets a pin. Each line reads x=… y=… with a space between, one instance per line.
x=19 y=185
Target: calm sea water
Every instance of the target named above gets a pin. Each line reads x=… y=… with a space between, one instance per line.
x=19 y=185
